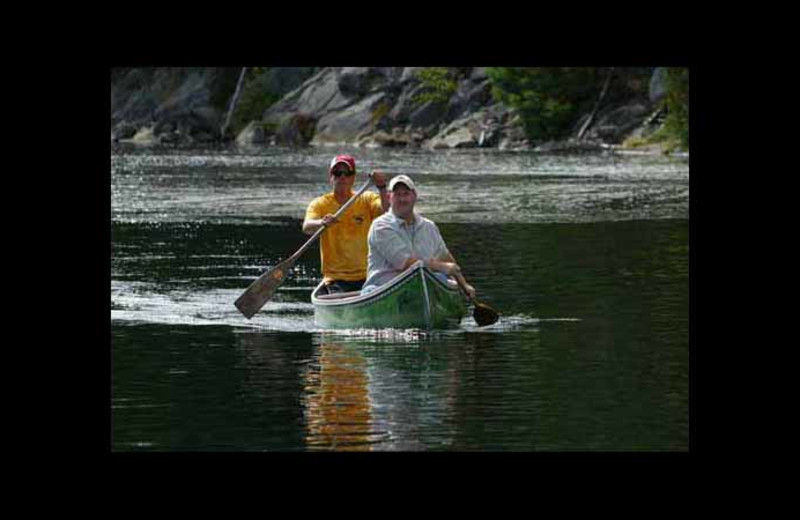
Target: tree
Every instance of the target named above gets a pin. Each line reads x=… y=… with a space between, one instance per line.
x=676 y=100
x=549 y=99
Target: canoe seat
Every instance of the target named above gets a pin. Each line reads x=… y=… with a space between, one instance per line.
x=339 y=296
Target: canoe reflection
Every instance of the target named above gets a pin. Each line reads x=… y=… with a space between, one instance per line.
x=337 y=405
x=381 y=397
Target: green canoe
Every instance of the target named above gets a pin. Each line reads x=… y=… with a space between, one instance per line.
x=415 y=299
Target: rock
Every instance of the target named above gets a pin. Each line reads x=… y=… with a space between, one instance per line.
x=478 y=74
x=658 y=85
x=295 y=130
x=459 y=137
x=469 y=97
x=615 y=123
x=345 y=126
x=389 y=140
x=144 y=135
x=358 y=81
x=409 y=74
x=168 y=138
x=124 y=130
x=427 y=115
x=318 y=96
x=252 y=134
x=569 y=146
x=282 y=80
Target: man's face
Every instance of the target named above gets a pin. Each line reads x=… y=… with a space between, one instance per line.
x=342 y=177
x=403 y=200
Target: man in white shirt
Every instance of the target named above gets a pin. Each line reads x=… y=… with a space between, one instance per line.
x=400 y=237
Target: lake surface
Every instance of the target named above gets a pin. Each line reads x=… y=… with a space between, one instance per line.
x=585 y=257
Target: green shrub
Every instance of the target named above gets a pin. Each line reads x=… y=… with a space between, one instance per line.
x=439 y=83
x=254 y=99
x=676 y=124
x=549 y=99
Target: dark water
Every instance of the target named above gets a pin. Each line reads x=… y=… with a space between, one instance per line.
x=586 y=258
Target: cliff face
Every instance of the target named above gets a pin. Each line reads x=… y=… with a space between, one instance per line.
x=170 y=104
x=361 y=106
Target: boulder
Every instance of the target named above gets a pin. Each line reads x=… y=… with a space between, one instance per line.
x=124 y=130
x=569 y=147
x=409 y=74
x=615 y=123
x=427 y=115
x=381 y=138
x=252 y=134
x=354 y=81
x=316 y=97
x=348 y=124
x=469 y=97
x=457 y=137
x=658 y=85
x=295 y=130
x=144 y=135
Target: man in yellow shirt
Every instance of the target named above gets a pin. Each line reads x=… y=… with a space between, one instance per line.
x=343 y=245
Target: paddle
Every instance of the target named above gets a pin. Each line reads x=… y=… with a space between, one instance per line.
x=261 y=290
x=483 y=314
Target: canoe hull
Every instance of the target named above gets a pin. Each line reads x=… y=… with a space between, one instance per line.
x=415 y=299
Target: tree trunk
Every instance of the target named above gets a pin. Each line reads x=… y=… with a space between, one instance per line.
x=234 y=100
x=590 y=120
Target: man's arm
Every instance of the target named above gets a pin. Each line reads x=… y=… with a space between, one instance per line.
x=311 y=225
x=379 y=178
x=449 y=266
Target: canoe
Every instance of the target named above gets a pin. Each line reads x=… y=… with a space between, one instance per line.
x=414 y=299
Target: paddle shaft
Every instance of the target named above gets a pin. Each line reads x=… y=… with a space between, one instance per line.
x=262 y=289
x=316 y=235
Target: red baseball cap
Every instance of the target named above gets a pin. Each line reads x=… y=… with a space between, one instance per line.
x=346 y=159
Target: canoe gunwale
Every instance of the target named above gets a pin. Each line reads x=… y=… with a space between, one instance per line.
x=383 y=291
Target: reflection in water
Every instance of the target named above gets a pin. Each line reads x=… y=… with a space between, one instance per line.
x=372 y=396
x=337 y=406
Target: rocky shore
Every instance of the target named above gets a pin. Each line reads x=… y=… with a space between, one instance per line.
x=353 y=106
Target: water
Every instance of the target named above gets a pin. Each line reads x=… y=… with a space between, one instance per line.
x=586 y=258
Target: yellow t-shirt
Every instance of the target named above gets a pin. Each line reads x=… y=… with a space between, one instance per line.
x=343 y=246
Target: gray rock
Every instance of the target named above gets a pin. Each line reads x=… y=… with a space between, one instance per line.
x=658 y=85
x=349 y=124
x=469 y=97
x=354 y=81
x=427 y=115
x=478 y=74
x=615 y=123
x=409 y=74
x=316 y=97
x=457 y=137
x=252 y=134
x=569 y=146
x=296 y=130
x=124 y=130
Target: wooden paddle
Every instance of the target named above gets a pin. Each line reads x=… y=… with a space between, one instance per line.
x=261 y=290
x=483 y=314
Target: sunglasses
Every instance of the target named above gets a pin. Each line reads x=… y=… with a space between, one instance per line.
x=346 y=173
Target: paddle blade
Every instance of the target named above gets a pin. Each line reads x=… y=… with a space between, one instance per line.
x=261 y=290
x=484 y=315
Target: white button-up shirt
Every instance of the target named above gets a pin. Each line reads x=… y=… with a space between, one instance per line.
x=392 y=241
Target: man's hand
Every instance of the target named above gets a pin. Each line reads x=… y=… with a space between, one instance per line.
x=329 y=219
x=469 y=290
x=378 y=177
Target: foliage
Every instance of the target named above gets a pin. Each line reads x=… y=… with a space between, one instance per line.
x=439 y=85
x=549 y=99
x=676 y=124
x=379 y=112
x=255 y=98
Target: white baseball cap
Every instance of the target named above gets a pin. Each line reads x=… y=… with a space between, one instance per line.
x=402 y=179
